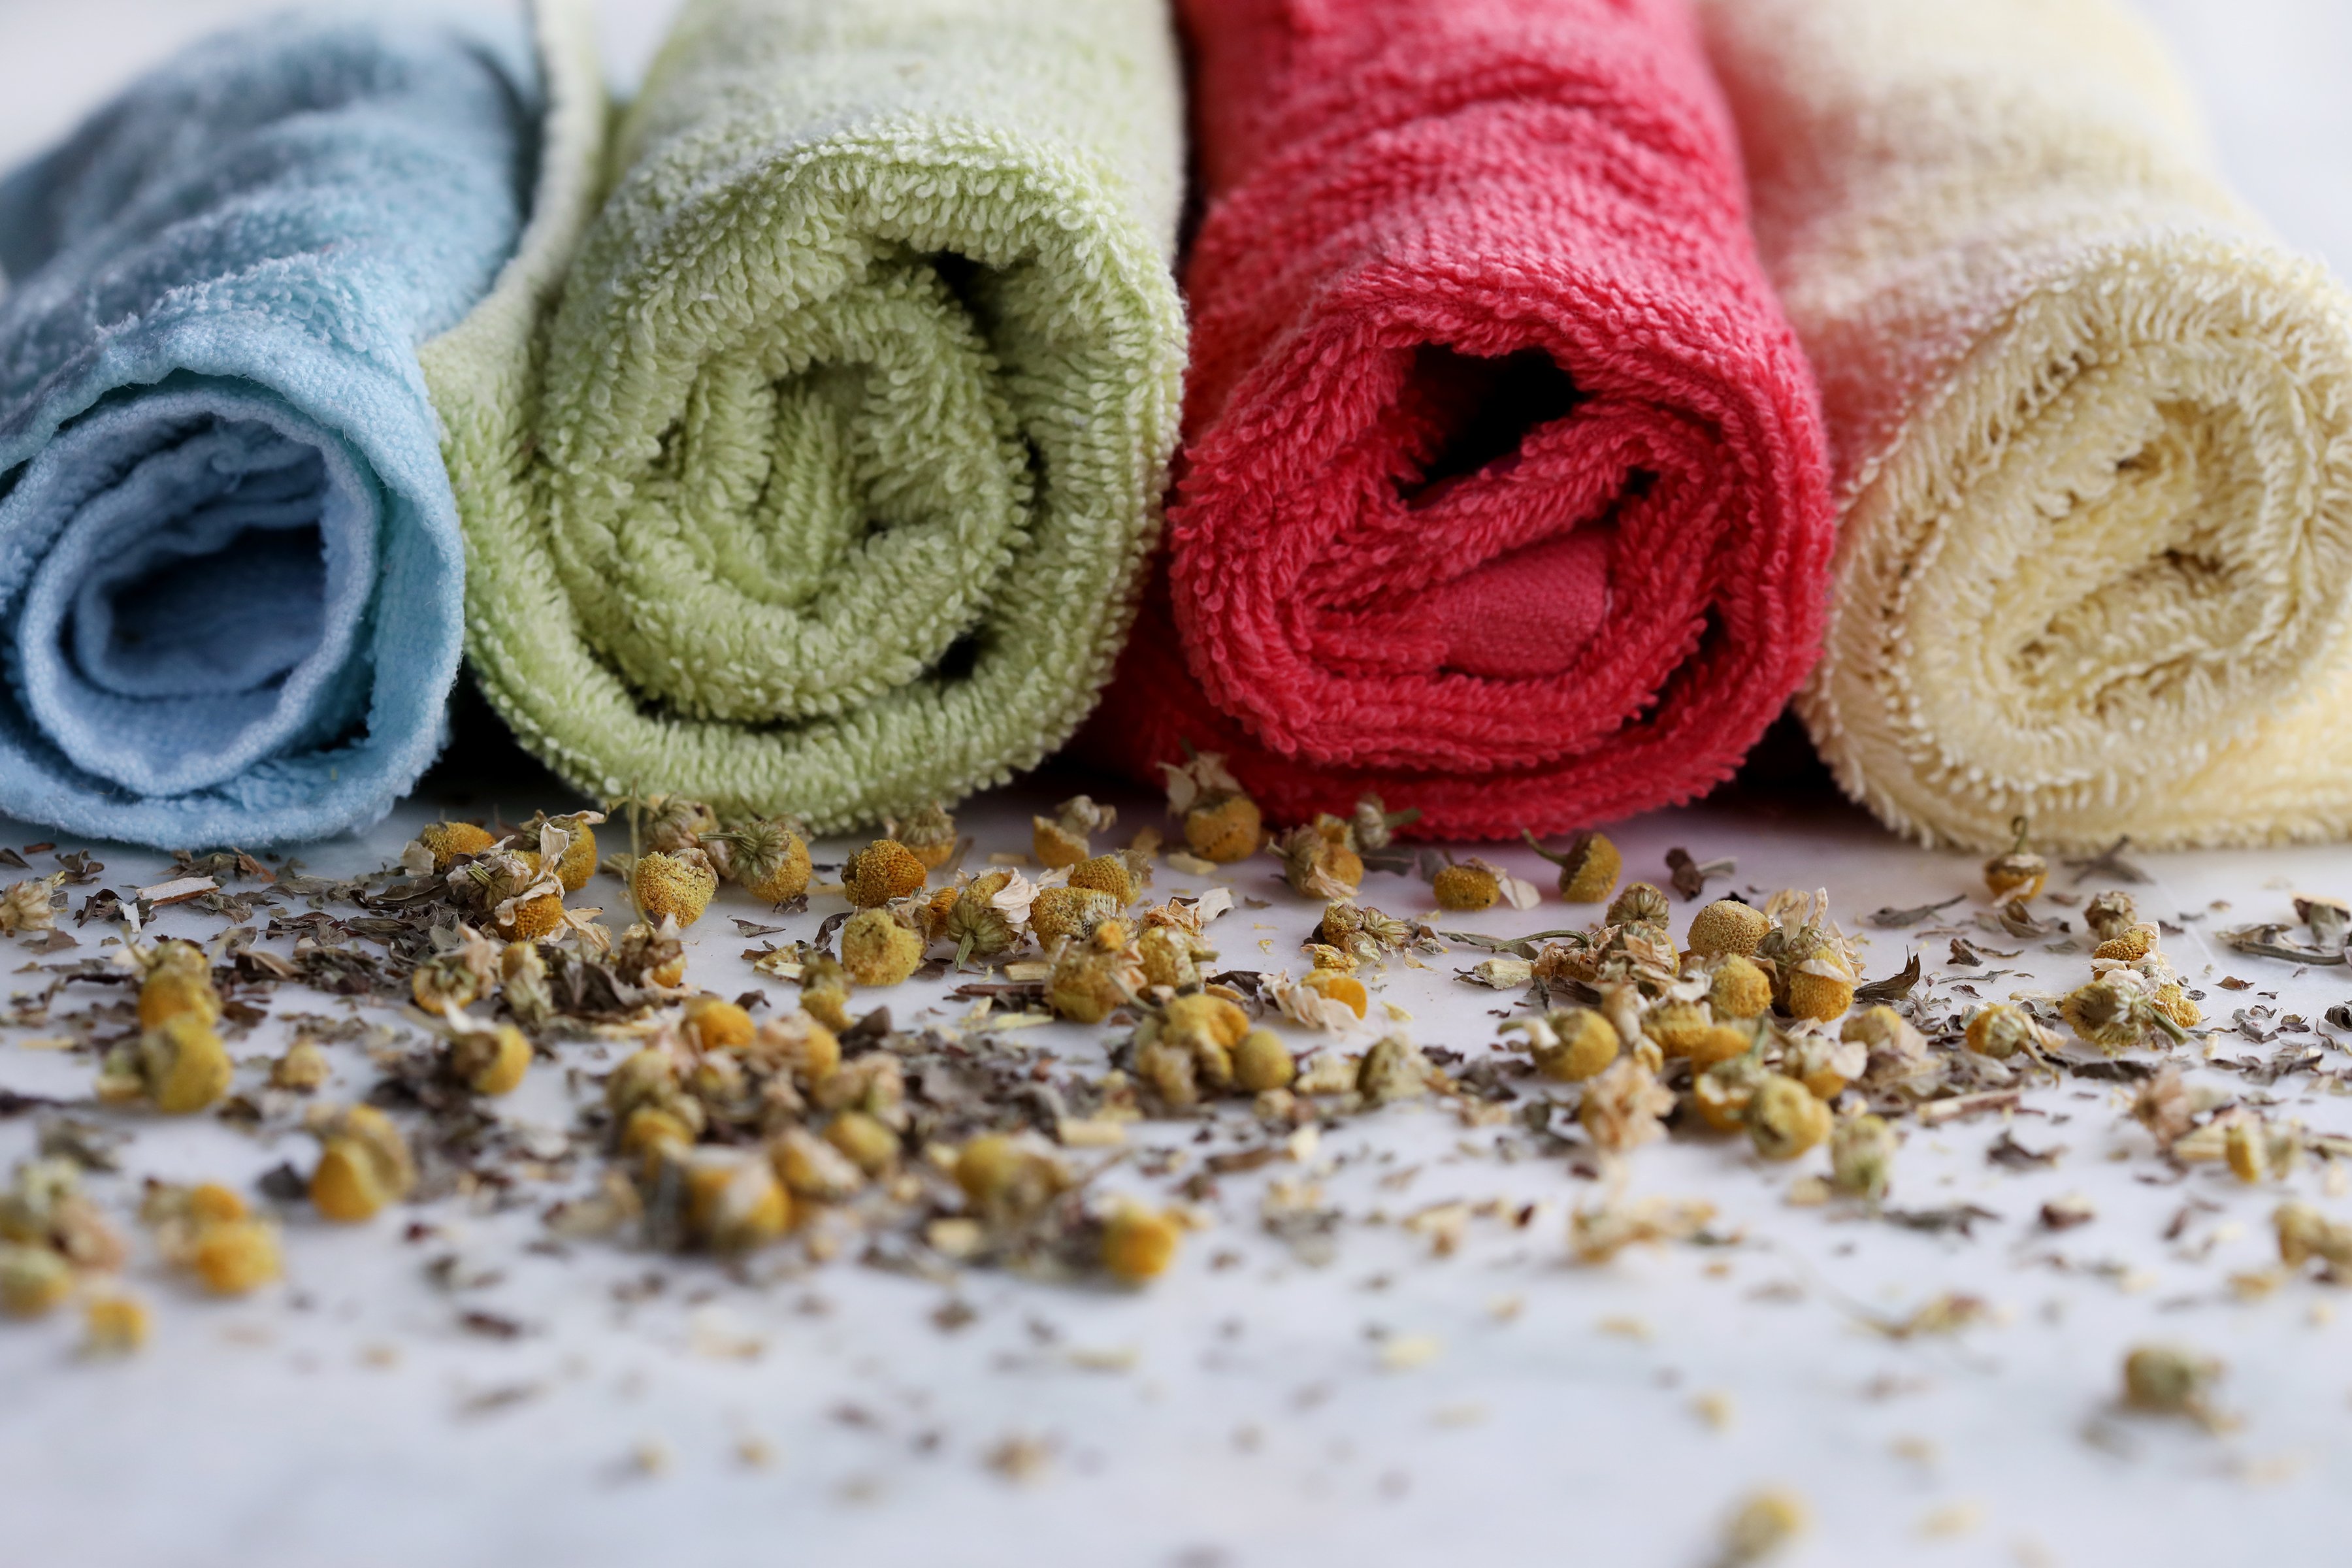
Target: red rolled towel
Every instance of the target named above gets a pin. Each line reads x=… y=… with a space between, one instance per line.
x=1504 y=494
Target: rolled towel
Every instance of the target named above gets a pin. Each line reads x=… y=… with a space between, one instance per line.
x=1503 y=492
x=821 y=477
x=2092 y=429
x=229 y=559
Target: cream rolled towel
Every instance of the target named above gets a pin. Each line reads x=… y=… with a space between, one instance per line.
x=2091 y=426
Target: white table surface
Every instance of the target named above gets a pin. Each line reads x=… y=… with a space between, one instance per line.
x=1246 y=1417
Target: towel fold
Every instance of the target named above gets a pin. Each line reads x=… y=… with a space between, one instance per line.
x=816 y=470
x=2092 y=429
x=229 y=560
x=1504 y=491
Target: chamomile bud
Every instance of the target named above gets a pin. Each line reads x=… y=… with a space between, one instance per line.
x=1589 y=867
x=884 y=870
x=450 y=842
x=879 y=949
x=1466 y=887
x=1784 y=1119
x=1138 y=1244
x=673 y=885
x=1225 y=827
x=1124 y=876
x=2017 y=872
x=1639 y=904
x=1729 y=926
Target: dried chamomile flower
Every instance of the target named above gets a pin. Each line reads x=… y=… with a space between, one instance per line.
x=1007 y=1178
x=797 y=1043
x=178 y=982
x=810 y=1167
x=576 y=862
x=1815 y=968
x=865 y=1141
x=1068 y=914
x=1570 y=1044
x=1394 y=1070
x=716 y=1024
x=1372 y=826
x=1262 y=1063
x=1729 y=926
x=2171 y=1380
x=1639 y=904
x=729 y=1200
x=44 y=1207
x=1738 y=988
x=1468 y=886
x=2128 y=945
x=27 y=905
x=207 y=1230
x=2110 y=913
x=1763 y=1525
x=670 y=823
x=523 y=983
x=235 y=1257
x=1320 y=861
x=1188 y=1047
x=2304 y=1234
x=1722 y=1093
x=1124 y=875
x=1589 y=867
x=652 y=954
x=2118 y=1011
x=2254 y=1150
x=674 y=885
x=1598 y=1234
x=1368 y=935
x=1621 y=1107
x=988 y=916
x=768 y=857
x=877 y=948
x=1222 y=823
x=824 y=992
x=1092 y=978
x=363 y=1162
x=1825 y=1065
x=462 y=969
x=930 y=834
x=181 y=1066
x=34 y=1281
x=2002 y=1029
x=2162 y=1107
x=113 y=1326
x=2018 y=873
x=1172 y=956
x=883 y=871
x=1339 y=988
x=490 y=1060
x=1064 y=838
x=303 y=1069
x=446 y=842
x=1137 y=1243
x=1785 y=1119
x=1862 y=1156
x=1676 y=1025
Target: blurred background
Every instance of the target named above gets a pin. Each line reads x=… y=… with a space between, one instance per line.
x=2269 y=71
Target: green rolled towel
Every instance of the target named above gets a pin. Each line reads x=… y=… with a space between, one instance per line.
x=815 y=467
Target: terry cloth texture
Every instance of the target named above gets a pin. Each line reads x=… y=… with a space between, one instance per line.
x=1504 y=491
x=229 y=560
x=822 y=480
x=2092 y=429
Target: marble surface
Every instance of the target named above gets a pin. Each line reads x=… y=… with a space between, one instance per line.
x=1252 y=1408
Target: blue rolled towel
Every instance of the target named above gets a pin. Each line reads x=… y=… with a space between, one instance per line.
x=231 y=575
